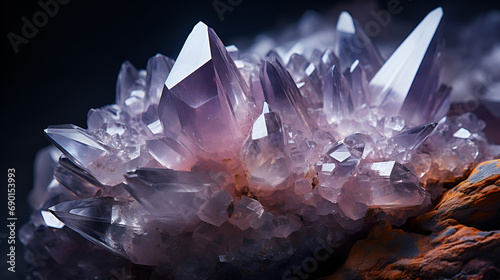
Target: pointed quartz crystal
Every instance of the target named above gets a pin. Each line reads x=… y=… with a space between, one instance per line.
x=337 y=102
x=158 y=68
x=307 y=79
x=283 y=96
x=414 y=137
x=131 y=88
x=103 y=221
x=205 y=94
x=264 y=153
x=353 y=44
x=408 y=81
x=88 y=152
x=76 y=143
x=356 y=79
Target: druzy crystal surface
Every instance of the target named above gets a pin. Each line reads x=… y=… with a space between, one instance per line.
x=222 y=164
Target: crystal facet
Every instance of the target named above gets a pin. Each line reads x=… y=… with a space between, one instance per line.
x=234 y=164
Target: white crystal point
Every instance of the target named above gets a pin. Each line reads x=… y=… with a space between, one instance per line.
x=197 y=49
x=51 y=220
x=76 y=143
x=345 y=23
x=394 y=82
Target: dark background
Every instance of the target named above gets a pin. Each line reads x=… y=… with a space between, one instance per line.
x=71 y=64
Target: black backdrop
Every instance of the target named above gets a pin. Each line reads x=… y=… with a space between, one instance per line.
x=71 y=64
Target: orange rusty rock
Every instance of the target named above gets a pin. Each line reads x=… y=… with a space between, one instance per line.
x=474 y=202
x=457 y=246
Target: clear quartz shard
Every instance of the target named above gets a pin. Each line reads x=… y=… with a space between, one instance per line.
x=171 y=153
x=283 y=95
x=407 y=82
x=337 y=102
x=307 y=79
x=353 y=44
x=215 y=210
x=104 y=221
x=207 y=93
x=386 y=184
x=76 y=143
x=412 y=138
x=76 y=180
x=130 y=88
x=170 y=195
x=158 y=68
x=264 y=153
x=91 y=218
x=90 y=153
x=356 y=79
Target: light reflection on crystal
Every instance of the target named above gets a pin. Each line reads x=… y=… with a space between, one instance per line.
x=222 y=161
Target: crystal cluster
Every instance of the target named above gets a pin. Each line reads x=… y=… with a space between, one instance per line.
x=223 y=164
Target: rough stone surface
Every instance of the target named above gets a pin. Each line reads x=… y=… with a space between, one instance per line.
x=458 y=239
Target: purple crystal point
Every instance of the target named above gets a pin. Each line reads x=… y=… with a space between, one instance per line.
x=337 y=102
x=307 y=79
x=282 y=94
x=414 y=137
x=205 y=96
x=407 y=83
x=356 y=79
x=264 y=153
x=354 y=44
